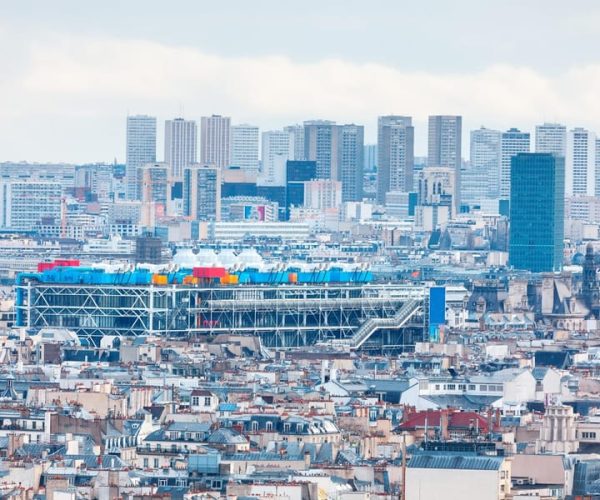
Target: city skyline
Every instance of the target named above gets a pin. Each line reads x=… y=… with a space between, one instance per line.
x=84 y=82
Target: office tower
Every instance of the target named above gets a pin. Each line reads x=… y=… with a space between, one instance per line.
x=275 y=152
x=551 y=138
x=181 y=139
x=437 y=201
x=322 y=194
x=395 y=155
x=537 y=212
x=297 y=173
x=445 y=144
x=370 y=157
x=141 y=149
x=215 y=135
x=153 y=188
x=202 y=193
x=597 y=190
x=244 y=147
x=580 y=163
x=29 y=202
x=296 y=138
x=350 y=156
x=512 y=143
x=480 y=177
x=321 y=145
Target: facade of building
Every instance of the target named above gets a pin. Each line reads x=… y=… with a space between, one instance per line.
x=321 y=145
x=323 y=194
x=296 y=138
x=181 y=145
x=580 y=163
x=480 y=178
x=244 y=146
x=537 y=212
x=276 y=150
x=297 y=173
x=141 y=149
x=513 y=142
x=395 y=155
x=351 y=144
x=202 y=193
x=25 y=204
x=215 y=137
x=551 y=138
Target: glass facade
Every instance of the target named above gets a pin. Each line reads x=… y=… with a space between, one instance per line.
x=537 y=212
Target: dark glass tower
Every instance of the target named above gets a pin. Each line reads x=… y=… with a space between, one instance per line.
x=537 y=196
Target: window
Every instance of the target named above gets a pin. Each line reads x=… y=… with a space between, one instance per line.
x=207 y=401
x=483 y=388
x=162 y=482
x=451 y=387
x=269 y=426
x=299 y=427
x=286 y=427
x=462 y=387
x=145 y=463
x=156 y=463
x=195 y=401
x=437 y=387
x=254 y=426
x=34 y=425
x=588 y=435
x=471 y=387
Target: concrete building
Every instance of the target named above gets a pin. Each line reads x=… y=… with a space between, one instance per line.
x=395 y=155
x=551 y=138
x=244 y=146
x=215 y=136
x=513 y=142
x=444 y=144
x=276 y=150
x=351 y=144
x=296 y=138
x=322 y=194
x=480 y=177
x=321 y=145
x=26 y=203
x=141 y=149
x=580 y=163
x=202 y=193
x=181 y=143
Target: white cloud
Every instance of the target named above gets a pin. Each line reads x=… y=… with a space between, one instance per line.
x=86 y=86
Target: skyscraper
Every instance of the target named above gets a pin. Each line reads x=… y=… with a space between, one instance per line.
x=297 y=173
x=276 y=150
x=537 y=212
x=141 y=149
x=580 y=166
x=181 y=139
x=244 y=146
x=370 y=161
x=444 y=145
x=215 y=134
x=480 y=177
x=395 y=155
x=321 y=145
x=513 y=142
x=551 y=138
x=351 y=145
x=202 y=192
x=296 y=138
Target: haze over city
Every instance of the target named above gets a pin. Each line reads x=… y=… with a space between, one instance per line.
x=71 y=72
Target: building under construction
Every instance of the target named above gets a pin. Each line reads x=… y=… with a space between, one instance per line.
x=287 y=308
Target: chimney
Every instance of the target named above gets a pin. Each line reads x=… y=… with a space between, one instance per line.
x=444 y=434
x=306 y=460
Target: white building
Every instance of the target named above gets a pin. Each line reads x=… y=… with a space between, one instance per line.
x=480 y=178
x=181 y=138
x=215 y=136
x=322 y=194
x=244 y=146
x=513 y=142
x=141 y=149
x=296 y=138
x=25 y=204
x=551 y=138
x=276 y=150
x=202 y=193
x=580 y=163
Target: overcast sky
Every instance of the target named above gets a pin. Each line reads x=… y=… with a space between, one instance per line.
x=72 y=70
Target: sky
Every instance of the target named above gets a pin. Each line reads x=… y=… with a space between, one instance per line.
x=72 y=71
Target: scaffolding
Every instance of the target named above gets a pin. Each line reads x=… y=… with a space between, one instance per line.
x=283 y=315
